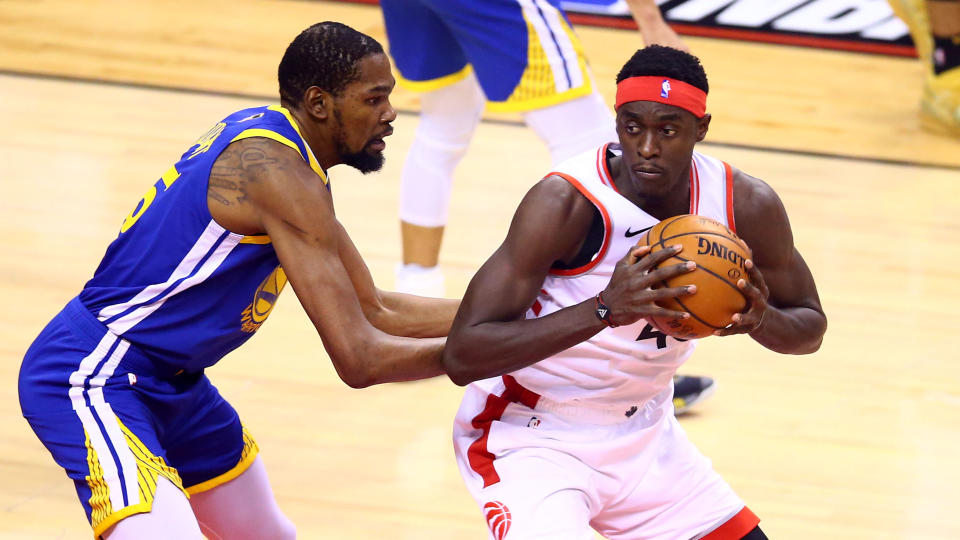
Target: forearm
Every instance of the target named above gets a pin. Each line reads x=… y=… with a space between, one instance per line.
x=489 y=349
x=377 y=358
x=795 y=330
x=645 y=12
x=412 y=360
x=413 y=316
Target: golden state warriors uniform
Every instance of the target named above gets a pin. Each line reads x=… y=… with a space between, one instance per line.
x=114 y=385
x=523 y=52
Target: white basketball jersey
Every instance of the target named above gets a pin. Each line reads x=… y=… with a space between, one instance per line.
x=626 y=365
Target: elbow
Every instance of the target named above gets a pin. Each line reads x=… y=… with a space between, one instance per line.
x=357 y=381
x=457 y=367
x=354 y=371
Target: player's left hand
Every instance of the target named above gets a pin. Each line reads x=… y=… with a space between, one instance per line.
x=757 y=293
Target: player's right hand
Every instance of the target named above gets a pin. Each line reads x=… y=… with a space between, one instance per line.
x=631 y=295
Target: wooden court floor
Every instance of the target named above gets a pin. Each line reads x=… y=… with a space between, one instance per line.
x=853 y=442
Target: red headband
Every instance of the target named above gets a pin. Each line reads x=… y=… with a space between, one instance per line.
x=663 y=90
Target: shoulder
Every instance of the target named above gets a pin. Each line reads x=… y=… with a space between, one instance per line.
x=759 y=214
x=753 y=198
x=554 y=216
x=558 y=195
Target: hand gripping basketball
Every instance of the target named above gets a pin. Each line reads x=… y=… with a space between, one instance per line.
x=632 y=293
x=723 y=291
x=757 y=293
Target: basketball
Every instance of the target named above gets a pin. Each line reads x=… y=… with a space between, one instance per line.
x=720 y=257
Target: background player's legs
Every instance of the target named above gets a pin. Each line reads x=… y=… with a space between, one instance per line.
x=935 y=29
x=448 y=118
x=169 y=517
x=243 y=508
x=573 y=126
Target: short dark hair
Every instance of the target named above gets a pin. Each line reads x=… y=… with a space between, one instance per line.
x=327 y=56
x=659 y=61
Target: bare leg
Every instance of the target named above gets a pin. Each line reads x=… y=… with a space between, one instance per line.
x=243 y=508
x=421 y=245
x=170 y=517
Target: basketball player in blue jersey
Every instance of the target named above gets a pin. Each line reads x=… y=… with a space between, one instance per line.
x=567 y=424
x=114 y=386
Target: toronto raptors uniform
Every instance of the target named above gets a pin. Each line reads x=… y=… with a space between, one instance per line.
x=588 y=435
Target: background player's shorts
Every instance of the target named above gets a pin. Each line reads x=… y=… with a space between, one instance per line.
x=538 y=475
x=524 y=52
x=116 y=422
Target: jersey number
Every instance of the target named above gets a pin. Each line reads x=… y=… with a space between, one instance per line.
x=649 y=332
x=162 y=185
x=202 y=145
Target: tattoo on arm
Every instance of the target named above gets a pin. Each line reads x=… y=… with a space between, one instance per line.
x=237 y=166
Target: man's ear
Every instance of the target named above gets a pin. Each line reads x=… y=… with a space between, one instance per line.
x=318 y=103
x=703 y=124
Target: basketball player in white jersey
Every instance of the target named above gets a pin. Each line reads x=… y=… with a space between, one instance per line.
x=506 y=55
x=567 y=422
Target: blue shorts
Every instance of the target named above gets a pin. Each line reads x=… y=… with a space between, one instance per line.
x=524 y=52
x=116 y=422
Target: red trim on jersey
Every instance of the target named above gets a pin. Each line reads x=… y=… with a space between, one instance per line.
x=479 y=457
x=736 y=527
x=518 y=394
x=694 y=187
x=606 y=228
x=730 y=221
x=537 y=307
x=602 y=169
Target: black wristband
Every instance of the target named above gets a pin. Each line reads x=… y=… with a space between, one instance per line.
x=603 y=311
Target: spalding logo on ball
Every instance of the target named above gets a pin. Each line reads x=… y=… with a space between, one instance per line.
x=720 y=257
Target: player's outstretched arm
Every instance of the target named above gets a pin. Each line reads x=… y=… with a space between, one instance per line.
x=395 y=313
x=491 y=335
x=785 y=314
x=275 y=192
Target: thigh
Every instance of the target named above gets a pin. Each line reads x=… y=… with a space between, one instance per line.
x=81 y=402
x=521 y=485
x=524 y=52
x=204 y=438
x=242 y=508
x=423 y=47
x=542 y=494
x=170 y=517
x=668 y=490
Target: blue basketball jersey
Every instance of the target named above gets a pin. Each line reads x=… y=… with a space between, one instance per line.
x=176 y=284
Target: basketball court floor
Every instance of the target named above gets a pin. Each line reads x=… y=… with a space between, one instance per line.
x=98 y=98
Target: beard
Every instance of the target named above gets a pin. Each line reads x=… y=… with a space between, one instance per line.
x=363 y=161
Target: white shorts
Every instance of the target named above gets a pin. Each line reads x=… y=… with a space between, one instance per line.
x=536 y=472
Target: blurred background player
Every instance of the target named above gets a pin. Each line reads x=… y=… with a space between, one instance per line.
x=507 y=55
x=935 y=28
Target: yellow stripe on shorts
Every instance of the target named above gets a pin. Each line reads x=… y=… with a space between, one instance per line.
x=247 y=455
x=149 y=469
x=538 y=85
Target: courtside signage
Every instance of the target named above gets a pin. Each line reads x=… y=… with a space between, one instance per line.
x=857 y=25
